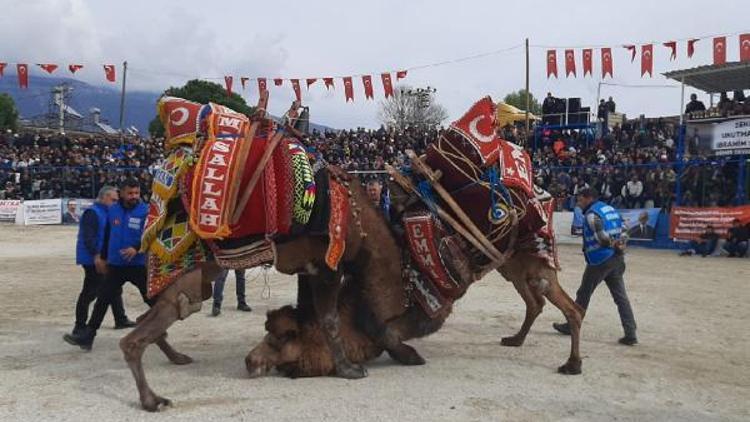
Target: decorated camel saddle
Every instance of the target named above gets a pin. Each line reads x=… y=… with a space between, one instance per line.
x=477 y=198
x=229 y=186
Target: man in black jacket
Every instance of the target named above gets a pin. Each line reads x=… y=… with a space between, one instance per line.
x=737 y=242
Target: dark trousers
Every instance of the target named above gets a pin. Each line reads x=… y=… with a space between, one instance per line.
x=704 y=247
x=112 y=287
x=736 y=247
x=219 y=286
x=611 y=272
x=92 y=281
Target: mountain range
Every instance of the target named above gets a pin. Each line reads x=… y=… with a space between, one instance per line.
x=140 y=106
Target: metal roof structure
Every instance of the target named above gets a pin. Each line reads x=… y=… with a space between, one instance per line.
x=715 y=78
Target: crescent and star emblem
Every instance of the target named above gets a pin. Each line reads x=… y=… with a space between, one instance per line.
x=474 y=131
x=183 y=113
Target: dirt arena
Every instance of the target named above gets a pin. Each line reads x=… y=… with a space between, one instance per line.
x=693 y=363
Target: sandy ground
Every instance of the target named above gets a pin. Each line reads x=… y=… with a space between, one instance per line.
x=691 y=365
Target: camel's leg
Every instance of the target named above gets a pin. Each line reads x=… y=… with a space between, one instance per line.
x=574 y=315
x=533 y=308
x=172 y=305
x=174 y=356
x=325 y=291
x=262 y=358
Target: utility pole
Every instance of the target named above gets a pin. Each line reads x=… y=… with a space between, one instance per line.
x=122 y=98
x=528 y=95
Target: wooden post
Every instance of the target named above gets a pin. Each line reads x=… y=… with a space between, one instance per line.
x=528 y=94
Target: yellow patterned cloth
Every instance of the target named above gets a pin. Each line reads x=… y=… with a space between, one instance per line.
x=174 y=238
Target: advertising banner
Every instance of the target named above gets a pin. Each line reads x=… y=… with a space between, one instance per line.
x=687 y=223
x=641 y=223
x=44 y=211
x=9 y=209
x=73 y=209
x=729 y=137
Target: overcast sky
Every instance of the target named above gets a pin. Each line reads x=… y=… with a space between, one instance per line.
x=169 y=42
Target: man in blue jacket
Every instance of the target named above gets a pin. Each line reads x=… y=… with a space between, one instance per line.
x=91 y=232
x=603 y=247
x=125 y=226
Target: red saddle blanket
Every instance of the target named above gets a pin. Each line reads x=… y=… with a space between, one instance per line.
x=269 y=209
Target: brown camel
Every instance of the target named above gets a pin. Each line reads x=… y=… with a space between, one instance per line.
x=294 y=343
x=371 y=254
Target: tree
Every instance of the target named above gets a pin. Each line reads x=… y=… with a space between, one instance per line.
x=8 y=113
x=202 y=92
x=518 y=99
x=410 y=107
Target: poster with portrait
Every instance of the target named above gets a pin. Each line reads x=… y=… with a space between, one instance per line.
x=641 y=223
x=73 y=208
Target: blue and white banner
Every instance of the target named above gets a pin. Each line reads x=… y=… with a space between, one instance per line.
x=640 y=223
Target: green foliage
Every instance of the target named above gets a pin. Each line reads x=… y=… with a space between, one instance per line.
x=518 y=99
x=202 y=92
x=8 y=113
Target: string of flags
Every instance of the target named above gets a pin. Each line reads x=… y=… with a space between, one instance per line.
x=22 y=70
x=646 y=56
x=348 y=82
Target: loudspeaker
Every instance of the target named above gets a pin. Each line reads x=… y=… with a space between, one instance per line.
x=574 y=105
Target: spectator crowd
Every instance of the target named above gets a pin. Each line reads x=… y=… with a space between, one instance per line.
x=633 y=165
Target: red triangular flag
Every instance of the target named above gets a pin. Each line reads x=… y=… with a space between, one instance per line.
x=243 y=81
x=387 y=84
x=401 y=74
x=348 y=89
x=631 y=48
x=278 y=81
x=75 y=68
x=262 y=85
x=551 y=63
x=587 y=65
x=297 y=91
x=48 y=67
x=109 y=72
x=720 y=50
x=228 y=83
x=744 y=49
x=691 y=46
x=647 y=59
x=310 y=81
x=2 y=68
x=23 y=75
x=607 y=65
x=367 y=82
x=570 y=63
x=328 y=82
x=672 y=45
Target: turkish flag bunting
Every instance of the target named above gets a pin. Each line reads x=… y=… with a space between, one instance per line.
x=310 y=81
x=228 y=84
x=720 y=50
x=673 y=46
x=328 y=82
x=262 y=85
x=647 y=59
x=607 y=65
x=2 y=68
x=587 y=66
x=551 y=63
x=348 y=89
x=691 y=47
x=23 y=75
x=744 y=49
x=631 y=48
x=278 y=81
x=75 y=68
x=297 y=91
x=570 y=63
x=401 y=74
x=367 y=82
x=109 y=72
x=387 y=84
x=243 y=81
x=48 y=67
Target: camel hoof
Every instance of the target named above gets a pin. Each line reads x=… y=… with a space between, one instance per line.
x=514 y=341
x=351 y=371
x=155 y=403
x=406 y=355
x=570 y=368
x=180 y=359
